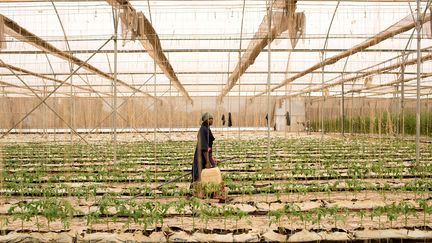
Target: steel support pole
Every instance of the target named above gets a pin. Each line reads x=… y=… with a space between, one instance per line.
x=114 y=117
x=418 y=27
x=402 y=77
x=343 y=111
x=269 y=18
x=324 y=99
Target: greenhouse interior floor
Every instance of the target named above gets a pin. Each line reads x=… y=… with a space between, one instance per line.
x=301 y=188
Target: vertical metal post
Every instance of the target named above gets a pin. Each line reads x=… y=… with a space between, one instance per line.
x=114 y=117
x=402 y=102
x=228 y=72
x=269 y=19
x=239 y=107
x=170 y=111
x=323 y=96
x=72 y=112
x=322 y=68
x=308 y=121
x=187 y=115
x=343 y=110
x=45 y=133
x=418 y=28
x=240 y=63
x=290 y=114
x=55 y=119
x=155 y=120
x=155 y=117
x=352 y=112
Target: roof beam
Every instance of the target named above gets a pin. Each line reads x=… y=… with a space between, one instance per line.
x=18 y=32
x=378 y=94
x=189 y=84
x=401 y=26
x=283 y=19
x=387 y=84
x=11 y=85
x=143 y=30
x=27 y=72
x=365 y=74
x=19 y=87
x=220 y=72
x=215 y=51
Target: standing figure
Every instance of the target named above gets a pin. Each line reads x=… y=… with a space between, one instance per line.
x=203 y=157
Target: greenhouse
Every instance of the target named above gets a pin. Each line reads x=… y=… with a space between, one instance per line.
x=215 y=121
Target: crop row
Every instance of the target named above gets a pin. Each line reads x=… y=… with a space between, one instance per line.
x=234 y=188
x=108 y=209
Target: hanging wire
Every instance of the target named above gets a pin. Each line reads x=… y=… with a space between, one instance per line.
x=239 y=116
x=269 y=22
x=343 y=100
x=240 y=63
x=402 y=96
x=323 y=91
x=54 y=103
x=170 y=110
x=229 y=100
x=290 y=90
x=285 y=108
x=71 y=66
x=427 y=113
x=155 y=119
x=418 y=28
x=114 y=83
x=322 y=68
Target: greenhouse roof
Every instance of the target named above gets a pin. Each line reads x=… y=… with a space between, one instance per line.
x=192 y=48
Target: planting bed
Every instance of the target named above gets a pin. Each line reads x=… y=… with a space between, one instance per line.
x=311 y=189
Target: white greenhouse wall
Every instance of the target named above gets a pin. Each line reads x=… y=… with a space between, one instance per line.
x=296 y=109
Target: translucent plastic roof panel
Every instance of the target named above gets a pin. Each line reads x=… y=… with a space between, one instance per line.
x=202 y=41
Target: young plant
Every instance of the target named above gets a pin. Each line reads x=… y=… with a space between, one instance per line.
x=207 y=212
x=180 y=207
x=407 y=210
x=319 y=213
x=392 y=212
x=238 y=215
x=427 y=209
x=377 y=212
x=275 y=217
x=104 y=203
x=20 y=211
x=161 y=212
x=226 y=212
x=361 y=215
x=195 y=206
x=333 y=211
x=305 y=217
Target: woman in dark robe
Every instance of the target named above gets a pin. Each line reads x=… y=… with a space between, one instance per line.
x=203 y=157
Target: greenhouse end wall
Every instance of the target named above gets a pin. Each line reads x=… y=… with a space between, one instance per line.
x=136 y=112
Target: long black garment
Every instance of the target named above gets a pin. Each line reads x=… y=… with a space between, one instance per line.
x=288 y=118
x=229 y=119
x=205 y=144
